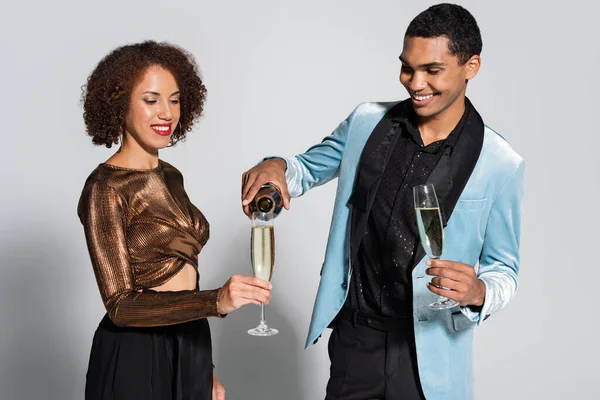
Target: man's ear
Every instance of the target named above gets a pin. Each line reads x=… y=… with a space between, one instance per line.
x=472 y=67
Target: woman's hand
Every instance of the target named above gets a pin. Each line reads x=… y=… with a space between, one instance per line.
x=240 y=290
x=218 y=392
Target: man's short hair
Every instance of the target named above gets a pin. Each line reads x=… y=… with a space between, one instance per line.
x=453 y=22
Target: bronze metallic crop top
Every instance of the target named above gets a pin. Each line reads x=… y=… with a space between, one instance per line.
x=141 y=230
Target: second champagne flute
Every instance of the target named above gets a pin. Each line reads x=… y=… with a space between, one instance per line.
x=431 y=231
x=262 y=254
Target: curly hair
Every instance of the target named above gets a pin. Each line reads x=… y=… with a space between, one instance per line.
x=453 y=22
x=107 y=94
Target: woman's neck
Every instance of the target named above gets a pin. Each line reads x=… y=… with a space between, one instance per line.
x=132 y=155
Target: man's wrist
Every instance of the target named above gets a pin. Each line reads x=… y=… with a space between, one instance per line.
x=280 y=162
x=477 y=305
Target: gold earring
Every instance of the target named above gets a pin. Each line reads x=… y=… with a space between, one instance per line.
x=171 y=141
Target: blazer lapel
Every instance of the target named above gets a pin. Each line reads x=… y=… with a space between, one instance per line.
x=377 y=152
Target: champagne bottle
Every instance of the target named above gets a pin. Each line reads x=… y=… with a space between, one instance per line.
x=267 y=201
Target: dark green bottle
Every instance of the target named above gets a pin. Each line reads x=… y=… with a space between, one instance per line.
x=267 y=201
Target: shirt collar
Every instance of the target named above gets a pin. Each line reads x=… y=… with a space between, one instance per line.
x=407 y=117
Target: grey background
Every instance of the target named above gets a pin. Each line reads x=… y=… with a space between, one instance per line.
x=280 y=77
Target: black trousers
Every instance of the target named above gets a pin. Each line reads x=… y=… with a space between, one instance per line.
x=372 y=358
x=159 y=363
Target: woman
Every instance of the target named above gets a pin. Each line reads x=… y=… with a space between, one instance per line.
x=144 y=235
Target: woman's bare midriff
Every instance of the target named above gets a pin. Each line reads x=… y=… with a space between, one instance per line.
x=183 y=280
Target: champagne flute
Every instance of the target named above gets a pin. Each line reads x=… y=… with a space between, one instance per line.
x=431 y=231
x=262 y=254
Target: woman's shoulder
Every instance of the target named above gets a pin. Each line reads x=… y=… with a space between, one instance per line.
x=100 y=189
x=167 y=167
x=108 y=184
x=169 y=171
x=100 y=176
x=104 y=175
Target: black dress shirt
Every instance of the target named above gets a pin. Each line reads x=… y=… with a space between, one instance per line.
x=381 y=281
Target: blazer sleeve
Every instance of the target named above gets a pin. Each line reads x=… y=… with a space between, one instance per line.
x=499 y=259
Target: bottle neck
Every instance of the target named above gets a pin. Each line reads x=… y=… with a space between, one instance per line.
x=268 y=200
x=265 y=204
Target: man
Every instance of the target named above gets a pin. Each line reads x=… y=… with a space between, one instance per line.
x=386 y=343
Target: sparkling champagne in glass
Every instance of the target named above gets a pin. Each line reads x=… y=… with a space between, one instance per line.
x=262 y=254
x=431 y=231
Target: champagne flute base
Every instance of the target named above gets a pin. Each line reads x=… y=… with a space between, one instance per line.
x=263 y=330
x=443 y=303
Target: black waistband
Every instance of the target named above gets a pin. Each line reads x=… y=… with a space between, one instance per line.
x=386 y=324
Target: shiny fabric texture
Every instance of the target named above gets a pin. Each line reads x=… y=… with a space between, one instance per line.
x=141 y=230
x=162 y=363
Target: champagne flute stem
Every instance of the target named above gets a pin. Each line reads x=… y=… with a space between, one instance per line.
x=262 y=313
x=441 y=299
